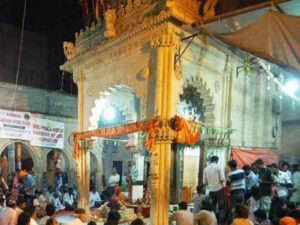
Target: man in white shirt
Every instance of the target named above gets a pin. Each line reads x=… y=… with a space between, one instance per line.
x=8 y=213
x=283 y=181
x=114 y=178
x=80 y=217
x=182 y=217
x=214 y=178
x=69 y=200
x=94 y=198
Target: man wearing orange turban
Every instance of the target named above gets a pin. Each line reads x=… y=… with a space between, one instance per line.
x=29 y=187
x=287 y=221
x=120 y=195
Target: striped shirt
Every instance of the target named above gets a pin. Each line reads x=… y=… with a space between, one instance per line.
x=236 y=180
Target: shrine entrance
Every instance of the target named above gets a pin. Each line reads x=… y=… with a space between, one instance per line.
x=117 y=106
x=16 y=156
x=58 y=169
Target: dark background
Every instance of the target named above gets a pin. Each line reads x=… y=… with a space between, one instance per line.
x=58 y=20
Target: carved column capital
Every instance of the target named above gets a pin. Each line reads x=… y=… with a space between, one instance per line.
x=170 y=39
x=87 y=144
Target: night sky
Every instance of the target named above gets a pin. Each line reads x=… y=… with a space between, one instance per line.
x=58 y=20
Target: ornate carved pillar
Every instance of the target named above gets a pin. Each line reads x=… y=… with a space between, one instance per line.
x=83 y=174
x=166 y=97
x=83 y=159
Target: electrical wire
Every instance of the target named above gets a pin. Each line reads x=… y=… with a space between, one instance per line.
x=20 y=54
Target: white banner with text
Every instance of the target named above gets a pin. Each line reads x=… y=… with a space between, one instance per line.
x=15 y=125
x=47 y=133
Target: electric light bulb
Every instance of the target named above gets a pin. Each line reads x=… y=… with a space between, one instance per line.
x=109 y=113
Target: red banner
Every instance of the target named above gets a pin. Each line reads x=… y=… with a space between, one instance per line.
x=248 y=156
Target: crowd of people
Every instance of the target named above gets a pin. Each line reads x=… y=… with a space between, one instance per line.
x=22 y=204
x=254 y=194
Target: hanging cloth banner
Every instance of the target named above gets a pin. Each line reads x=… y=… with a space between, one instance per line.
x=249 y=156
x=47 y=133
x=15 y=125
x=150 y=126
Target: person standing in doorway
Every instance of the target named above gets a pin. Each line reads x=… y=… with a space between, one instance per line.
x=213 y=177
x=29 y=187
x=114 y=180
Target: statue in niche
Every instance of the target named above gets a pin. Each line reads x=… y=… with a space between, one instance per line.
x=69 y=50
x=110 y=20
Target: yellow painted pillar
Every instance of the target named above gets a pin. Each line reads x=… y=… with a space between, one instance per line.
x=165 y=108
x=83 y=160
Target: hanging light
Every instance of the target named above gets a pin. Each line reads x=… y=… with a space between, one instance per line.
x=109 y=113
x=291 y=86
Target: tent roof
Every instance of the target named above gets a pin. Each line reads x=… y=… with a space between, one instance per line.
x=274 y=37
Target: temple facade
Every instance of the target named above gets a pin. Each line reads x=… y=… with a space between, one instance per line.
x=146 y=52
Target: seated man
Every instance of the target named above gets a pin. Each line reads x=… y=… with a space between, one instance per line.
x=80 y=217
x=57 y=203
x=69 y=200
x=94 y=198
x=50 y=210
x=120 y=195
x=182 y=217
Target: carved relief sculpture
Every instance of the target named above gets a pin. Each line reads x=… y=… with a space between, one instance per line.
x=121 y=11
x=129 y=7
x=209 y=9
x=110 y=20
x=178 y=72
x=144 y=73
x=69 y=50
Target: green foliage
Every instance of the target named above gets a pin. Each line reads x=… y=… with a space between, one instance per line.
x=124 y=188
x=247 y=65
x=183 y=146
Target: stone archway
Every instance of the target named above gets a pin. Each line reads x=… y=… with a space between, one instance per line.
x=132 y=111
x=201 y=86
x=13 y=149
x=96 y=168
x=188 y=159
x=57 y=159
x=28 y=147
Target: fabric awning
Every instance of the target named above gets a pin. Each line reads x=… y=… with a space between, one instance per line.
x=274 y=37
